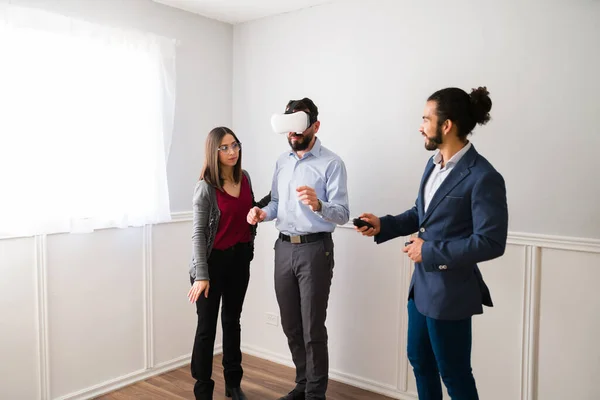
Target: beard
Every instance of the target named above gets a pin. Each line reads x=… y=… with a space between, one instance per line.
x=434 y=142
x=301 y=144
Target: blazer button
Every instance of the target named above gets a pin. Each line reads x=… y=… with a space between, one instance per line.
x=443 y=267
x=422 y=230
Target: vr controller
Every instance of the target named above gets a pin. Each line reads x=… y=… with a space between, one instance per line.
x=359 y=223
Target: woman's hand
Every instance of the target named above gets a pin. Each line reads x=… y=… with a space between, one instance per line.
x=256 y=215
x=197 y=288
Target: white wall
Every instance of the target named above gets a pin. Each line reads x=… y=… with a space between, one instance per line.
x=370 y=67
x=85 y=314
x=534 y=344
x=82 y=314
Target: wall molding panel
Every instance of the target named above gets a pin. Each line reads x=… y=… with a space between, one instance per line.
x=42 y=315
x=148 y=309
x=126 y=380
x=530 y=322
x=400 y=386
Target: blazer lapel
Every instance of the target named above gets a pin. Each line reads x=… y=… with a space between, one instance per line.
x=421 y=202
x=458 y=173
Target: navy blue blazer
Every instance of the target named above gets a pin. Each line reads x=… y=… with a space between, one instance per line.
x=466 y=223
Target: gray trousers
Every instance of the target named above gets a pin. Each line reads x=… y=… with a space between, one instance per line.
x=303 y=274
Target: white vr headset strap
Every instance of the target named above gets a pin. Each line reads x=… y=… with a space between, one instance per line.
x=296 y=122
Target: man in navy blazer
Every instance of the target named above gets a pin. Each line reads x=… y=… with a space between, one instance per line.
x=461 y=217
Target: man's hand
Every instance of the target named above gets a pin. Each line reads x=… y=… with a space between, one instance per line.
x=373 y=220
x=256 y=215
x=196 y=290
x=414 y=250
x=308 y=196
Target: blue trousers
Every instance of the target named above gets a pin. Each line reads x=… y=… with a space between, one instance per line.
x=440 y=348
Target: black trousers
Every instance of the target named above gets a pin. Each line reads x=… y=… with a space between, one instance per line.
x=303 y=275
x=229 y=272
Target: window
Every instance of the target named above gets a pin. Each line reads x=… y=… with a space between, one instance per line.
x=86 y=114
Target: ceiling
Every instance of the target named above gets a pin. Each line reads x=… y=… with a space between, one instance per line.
x=238 y=11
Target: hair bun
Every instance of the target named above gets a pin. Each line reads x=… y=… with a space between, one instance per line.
x=481 y=105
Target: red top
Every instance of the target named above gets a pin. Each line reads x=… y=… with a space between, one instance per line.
x=233 y=227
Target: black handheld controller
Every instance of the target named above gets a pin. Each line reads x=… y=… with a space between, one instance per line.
x=359 y=223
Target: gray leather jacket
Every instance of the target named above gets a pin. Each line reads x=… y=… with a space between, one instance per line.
x=206 y=223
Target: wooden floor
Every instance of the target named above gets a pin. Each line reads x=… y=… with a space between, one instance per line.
x=263 y=380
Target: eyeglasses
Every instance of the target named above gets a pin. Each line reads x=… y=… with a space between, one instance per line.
x=234 y=146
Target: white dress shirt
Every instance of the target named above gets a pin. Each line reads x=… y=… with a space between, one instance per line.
x=439 y=174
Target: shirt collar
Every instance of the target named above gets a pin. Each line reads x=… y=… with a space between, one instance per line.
x=437 y=157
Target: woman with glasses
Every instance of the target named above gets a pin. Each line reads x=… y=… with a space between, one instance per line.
x=223 y=246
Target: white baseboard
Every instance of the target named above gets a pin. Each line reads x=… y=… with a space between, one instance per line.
x=348 y=379
x=129 y=379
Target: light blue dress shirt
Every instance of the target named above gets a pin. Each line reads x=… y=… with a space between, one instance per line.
x=320 y=169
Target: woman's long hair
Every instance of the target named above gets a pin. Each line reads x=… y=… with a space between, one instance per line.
x=211 y=171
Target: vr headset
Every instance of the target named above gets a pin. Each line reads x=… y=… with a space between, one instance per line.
x=292 y=121
x=296 y=122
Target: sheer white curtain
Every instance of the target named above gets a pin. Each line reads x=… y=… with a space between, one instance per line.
x=86 y=118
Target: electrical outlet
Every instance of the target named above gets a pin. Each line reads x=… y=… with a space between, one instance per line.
x=272 y=319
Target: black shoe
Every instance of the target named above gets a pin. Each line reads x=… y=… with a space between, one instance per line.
x=293 y=395
x=235 y=393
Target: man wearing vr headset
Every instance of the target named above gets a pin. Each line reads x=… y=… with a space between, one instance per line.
x=309 y=197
